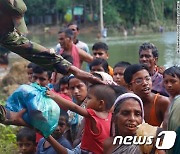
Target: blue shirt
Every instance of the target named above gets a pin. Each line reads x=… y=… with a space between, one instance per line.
x=50 y=150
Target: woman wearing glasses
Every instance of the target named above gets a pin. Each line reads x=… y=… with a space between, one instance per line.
x=155 y=105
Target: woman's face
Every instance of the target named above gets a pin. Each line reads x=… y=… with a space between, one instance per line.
x=128 y=117
x=78 y=89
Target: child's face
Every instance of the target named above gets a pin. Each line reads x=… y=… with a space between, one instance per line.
x=64 y=89
x=91 y=101
x=141 y=83
x=78 y=89
x=97 y=68
x=172 y=85
x=60 y=128
x=42 y=79
x=26 y=147
x=118 y=76
x=100 y=54
x=30 y=73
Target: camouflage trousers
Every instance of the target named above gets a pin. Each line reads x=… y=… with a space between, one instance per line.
x=34 y=52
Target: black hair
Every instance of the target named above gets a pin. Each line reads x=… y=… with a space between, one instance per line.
x=68 y=32
x=65 y=115
x=105 y=93
x=100 y=61
x=28 y=133
x=131 y=70
x=100 y=45
x=119 y=90
x=122 y=64
x=172 y=71
x=147 y=46
x=73 y=77
x=31 y=65
x=63 y=80
x=39 y=70
x=77 y=27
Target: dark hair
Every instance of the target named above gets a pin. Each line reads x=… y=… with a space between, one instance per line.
x=122 y=64
x=172 y=71
x=31 y=65
x=64 y=114
x=100 y=45
x=68 y=32
x=77 y=27
x=146 y=46
x=119 y=90
x=39 y=70
x=131 y=70
x=104 y=92
x=63 y=80
x=28 y=133
x=100 y=61
x=73 y=77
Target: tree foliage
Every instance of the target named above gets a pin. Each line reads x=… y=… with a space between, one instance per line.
x=126 y=12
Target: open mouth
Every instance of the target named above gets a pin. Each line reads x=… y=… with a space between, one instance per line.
x=131 y=127
x=146 y=90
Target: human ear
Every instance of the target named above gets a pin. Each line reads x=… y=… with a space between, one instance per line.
x=101 y=104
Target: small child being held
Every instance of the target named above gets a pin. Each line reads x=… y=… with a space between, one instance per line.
x=97 y=116
x=26 y=141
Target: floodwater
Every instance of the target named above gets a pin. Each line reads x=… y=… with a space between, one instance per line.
x=122 y=48
x=126 y=48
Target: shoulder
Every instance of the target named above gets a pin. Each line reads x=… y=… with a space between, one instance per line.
x=163 y=102
x=40 y=143
x=65 y=142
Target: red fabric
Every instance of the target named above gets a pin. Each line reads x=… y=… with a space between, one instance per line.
x=38 y=137
x=94 y=142
x=65 y=97
x=75 y=56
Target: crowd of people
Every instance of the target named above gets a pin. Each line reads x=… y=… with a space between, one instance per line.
x=96 y=104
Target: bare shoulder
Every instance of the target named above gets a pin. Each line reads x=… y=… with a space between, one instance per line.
x=163 y=100
x=163 y=103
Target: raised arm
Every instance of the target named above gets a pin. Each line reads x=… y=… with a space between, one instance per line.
x=57 y=147
x=68 y=104
x=85 y=56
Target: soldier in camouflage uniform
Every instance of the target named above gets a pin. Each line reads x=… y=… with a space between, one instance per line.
x=12 y=30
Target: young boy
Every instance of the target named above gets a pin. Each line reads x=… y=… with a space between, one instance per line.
x=139 y=81
x=100 y=50
x=118 y=73
x=44 y=147
x=171 y=81
x=30 y=67
x=26 y=141
x=99 y=65
x=97 y=116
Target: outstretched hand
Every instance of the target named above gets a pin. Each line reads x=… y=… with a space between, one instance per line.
x=16 y=118
x=50 y=93
x=86 y=76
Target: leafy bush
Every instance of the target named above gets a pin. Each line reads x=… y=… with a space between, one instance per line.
x=7 y=138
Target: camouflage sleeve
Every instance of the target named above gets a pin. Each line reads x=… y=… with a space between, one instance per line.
x=35 y=53
x=15 y=7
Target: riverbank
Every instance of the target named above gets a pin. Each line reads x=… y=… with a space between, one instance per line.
x=92 y=28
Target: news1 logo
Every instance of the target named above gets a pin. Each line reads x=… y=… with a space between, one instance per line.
x=166 y=143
